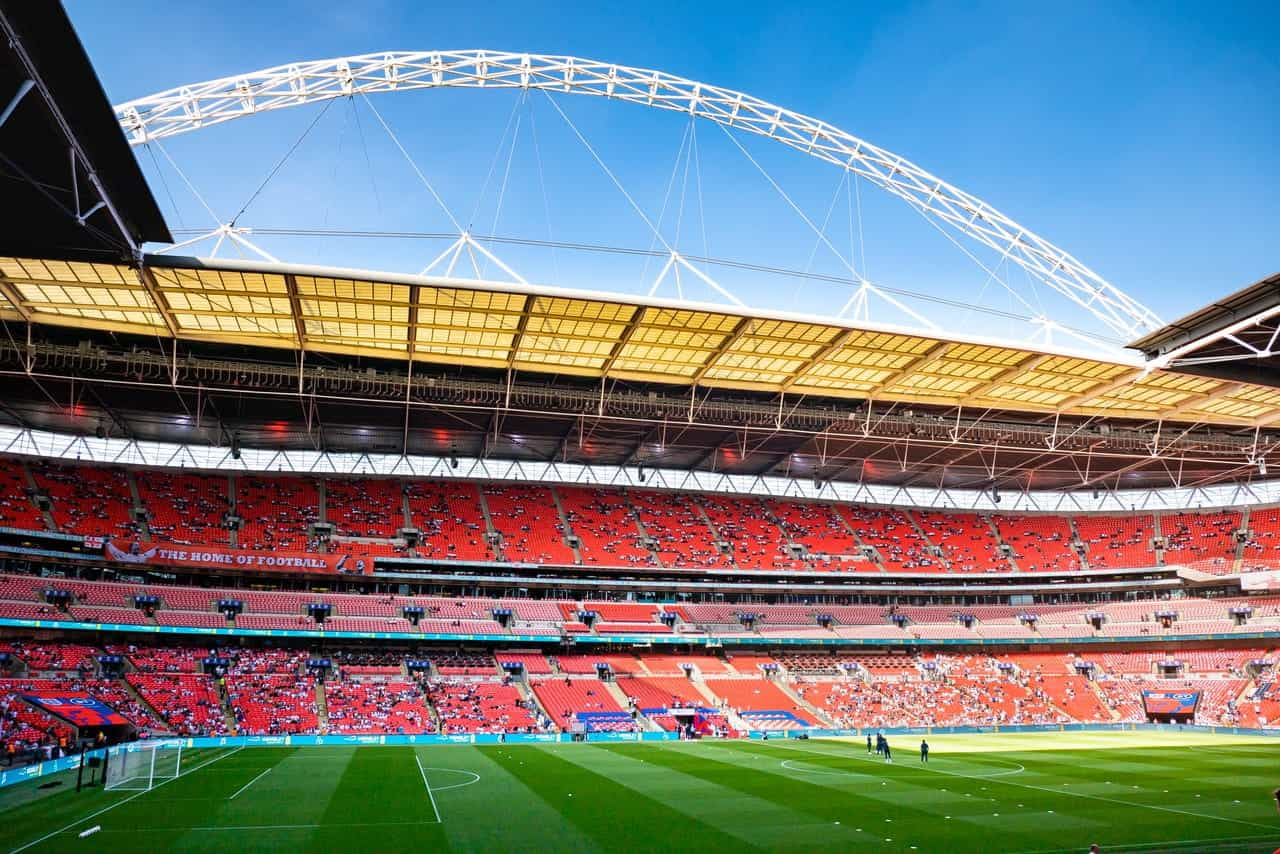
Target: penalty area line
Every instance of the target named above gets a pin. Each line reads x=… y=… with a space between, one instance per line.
x=240 y=790
x=121 y=803
x=423 y=771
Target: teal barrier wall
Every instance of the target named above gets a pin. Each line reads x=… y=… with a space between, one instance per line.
x=54 y=766
x=9 y=777
x=589 y=640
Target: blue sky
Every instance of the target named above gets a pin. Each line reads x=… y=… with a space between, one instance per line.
x=1139 y=137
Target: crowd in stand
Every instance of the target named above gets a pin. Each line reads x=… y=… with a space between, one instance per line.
x=472 y=706
x=278 y=512
x=362 y=708
x=270 y=692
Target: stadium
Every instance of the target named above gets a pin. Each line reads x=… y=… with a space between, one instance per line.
x=299 y=554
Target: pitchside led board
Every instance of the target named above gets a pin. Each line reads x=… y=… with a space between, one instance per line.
x=80 y=710
x=1171 y=704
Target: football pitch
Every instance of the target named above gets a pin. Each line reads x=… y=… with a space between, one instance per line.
x=1142 y=791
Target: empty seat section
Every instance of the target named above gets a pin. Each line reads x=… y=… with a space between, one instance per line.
x=272 y=704
x=1117 y=541
x=170 y=660
x=758 y=542
x=583 y=701
x=16 y=508
x=367 y=624
x=118 y=616
x=527 y=518
x=816 y=526
x=481 y=707
x=749 y=697
x=60 y=657
x=184 y=508
x=586 y=663
x=1039 y=543
x=605 y=526
x=1073 y=695
x=1200 y=538
x=188 y=702
x=461 y=627
x=268 y=693
x=684 y=539
x=31 y=611
x=623 y=612
x=276 y=512
x=533 y=663
x=899 y=544
x=657 y=693
x=367 y=708
x=88 y=500
x=673 y=665
x=1262 y=549
x=362 y=507
x=966 y=540
x=449 y=516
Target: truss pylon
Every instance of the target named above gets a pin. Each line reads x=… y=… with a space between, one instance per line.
x=466 y=243
x=226 y=231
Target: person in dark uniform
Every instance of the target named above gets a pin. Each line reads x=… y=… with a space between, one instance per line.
x=868 y=742
x=924 y=751
x=888 y=755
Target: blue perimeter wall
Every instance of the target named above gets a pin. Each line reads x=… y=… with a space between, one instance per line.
x=583 y=640
x=54 y=766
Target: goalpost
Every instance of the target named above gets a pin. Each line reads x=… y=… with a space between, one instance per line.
x=141 y=767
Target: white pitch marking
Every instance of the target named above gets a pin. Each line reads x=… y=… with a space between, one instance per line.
x=434 y=808
x=122 y=803
x=250 y=783
x=475 y=778
x=1054 y=791
x=1170 y=845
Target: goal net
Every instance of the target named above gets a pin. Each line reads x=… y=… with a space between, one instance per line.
x=140 y=767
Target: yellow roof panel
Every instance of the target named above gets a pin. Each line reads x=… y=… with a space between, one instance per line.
x=537 y=330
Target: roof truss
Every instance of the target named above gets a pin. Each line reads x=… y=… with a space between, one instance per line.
x=601 y=336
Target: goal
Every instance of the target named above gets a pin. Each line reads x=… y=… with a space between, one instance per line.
x=142 y=766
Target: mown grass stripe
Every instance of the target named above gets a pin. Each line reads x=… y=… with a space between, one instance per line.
x=618 y=818
x=758 y=821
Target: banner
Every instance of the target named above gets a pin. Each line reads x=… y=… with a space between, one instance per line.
x=1260 y=581
x=80 y=710
x=1170 y=702
x=225 y=557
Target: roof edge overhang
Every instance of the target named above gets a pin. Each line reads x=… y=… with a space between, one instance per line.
x=1212 y=318
x=1118 y=357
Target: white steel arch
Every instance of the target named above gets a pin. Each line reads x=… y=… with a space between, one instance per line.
x=188 y=108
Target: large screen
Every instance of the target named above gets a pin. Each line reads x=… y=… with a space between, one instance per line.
x=1170 y=702
x=80 y=710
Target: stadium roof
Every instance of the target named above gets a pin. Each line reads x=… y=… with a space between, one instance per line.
x=1233 y=338
x=52 y=106
x=548 y=331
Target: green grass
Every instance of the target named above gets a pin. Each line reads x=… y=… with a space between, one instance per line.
x=1141 y=792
